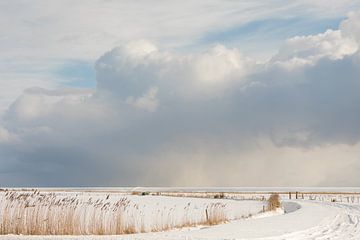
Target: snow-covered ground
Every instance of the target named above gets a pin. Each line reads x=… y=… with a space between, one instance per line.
x=303 y=219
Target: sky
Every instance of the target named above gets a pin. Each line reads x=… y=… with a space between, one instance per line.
x=179 y=93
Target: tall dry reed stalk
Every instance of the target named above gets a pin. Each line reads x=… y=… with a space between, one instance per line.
x=36 y=213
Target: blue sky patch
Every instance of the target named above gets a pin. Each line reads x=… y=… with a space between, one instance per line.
x=77 y=74
x=269 y=34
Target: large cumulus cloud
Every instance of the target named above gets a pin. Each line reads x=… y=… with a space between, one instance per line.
x=211 y=118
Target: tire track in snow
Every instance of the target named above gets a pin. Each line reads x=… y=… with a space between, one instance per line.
x=344 y=226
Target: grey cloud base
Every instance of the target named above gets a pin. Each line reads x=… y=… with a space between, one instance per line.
x=215 y=118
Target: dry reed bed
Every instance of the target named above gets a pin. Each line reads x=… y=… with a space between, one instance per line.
x=43 y=213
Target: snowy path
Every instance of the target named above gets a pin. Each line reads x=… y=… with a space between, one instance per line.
x=311 y=221
x=344 y=225
x=314 y=220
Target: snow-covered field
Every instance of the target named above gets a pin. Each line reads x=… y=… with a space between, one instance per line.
x=332 y=215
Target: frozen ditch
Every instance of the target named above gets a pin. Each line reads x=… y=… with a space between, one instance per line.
x=290 y=207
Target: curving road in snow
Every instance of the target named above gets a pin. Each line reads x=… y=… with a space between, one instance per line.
x=313 y=220
x=341 y=222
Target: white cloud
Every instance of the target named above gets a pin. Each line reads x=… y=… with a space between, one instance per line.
x=36 y=36
x=91 y=28
x=28 y=107
x=148 y=101
x=130 y=70
x=350 y=27
x=12 y=85
x=302 y=50
x=213 y=117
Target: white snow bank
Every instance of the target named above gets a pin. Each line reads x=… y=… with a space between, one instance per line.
x=276 y=212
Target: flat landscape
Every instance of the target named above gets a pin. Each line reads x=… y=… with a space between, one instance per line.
x=180 y=120
x=180 y=213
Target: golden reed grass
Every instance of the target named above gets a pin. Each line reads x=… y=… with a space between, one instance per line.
x=36 y=213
